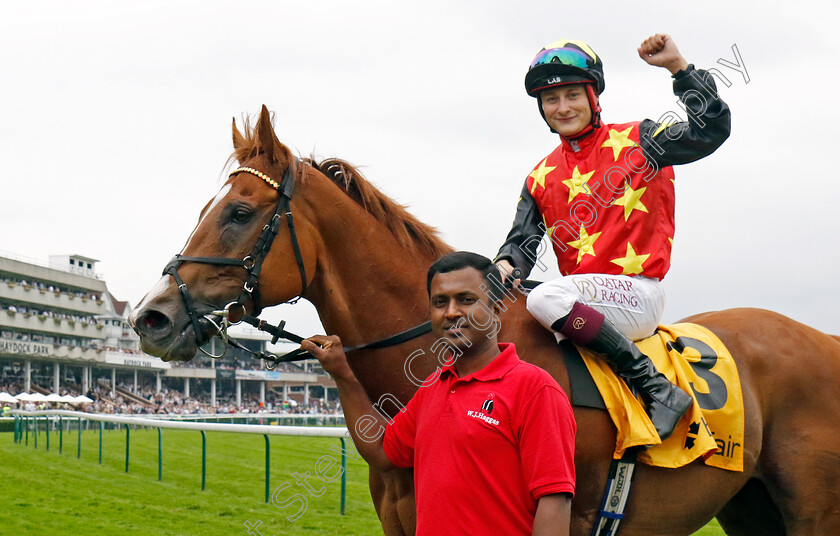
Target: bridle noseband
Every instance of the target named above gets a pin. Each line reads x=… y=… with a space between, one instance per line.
x=252 y=263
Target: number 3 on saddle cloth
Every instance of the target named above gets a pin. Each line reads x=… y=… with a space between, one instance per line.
x=697 y=361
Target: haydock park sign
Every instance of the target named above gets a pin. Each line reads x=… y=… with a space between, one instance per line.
x=27 y=348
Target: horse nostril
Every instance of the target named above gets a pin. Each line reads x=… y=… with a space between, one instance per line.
x=153 y=322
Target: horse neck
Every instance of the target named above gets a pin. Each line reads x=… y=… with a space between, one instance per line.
x=367 y=285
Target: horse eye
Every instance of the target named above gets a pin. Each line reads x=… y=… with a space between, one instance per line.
x=241 y=216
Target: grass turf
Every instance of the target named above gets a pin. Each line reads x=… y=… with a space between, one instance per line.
x=58 y=494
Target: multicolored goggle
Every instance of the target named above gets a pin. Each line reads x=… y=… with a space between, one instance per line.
x=566 y=56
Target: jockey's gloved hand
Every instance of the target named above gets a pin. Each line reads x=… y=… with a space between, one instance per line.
x=510 y=275
x=514 y=279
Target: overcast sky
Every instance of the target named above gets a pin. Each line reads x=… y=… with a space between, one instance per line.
x=115 y=125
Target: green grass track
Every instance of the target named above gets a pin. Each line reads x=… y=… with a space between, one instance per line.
x=58 y=494
x=48 y=493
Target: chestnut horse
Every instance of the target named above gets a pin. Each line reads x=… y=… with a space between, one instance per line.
x=361 y=259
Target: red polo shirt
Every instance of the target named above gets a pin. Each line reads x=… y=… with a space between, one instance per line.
x=485 y=447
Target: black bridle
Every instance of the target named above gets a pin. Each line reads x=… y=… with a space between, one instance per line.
x=252 y=263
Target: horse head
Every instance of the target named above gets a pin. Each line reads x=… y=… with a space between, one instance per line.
x=242 y=253
x=282 y=227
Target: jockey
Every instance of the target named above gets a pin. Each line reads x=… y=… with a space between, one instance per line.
x=605 y=197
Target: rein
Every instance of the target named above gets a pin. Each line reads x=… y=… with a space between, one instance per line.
x=252 y=263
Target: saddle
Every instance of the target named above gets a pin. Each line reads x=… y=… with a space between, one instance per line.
x=697 y=361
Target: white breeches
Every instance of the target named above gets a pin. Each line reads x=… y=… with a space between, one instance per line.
x=634 y=304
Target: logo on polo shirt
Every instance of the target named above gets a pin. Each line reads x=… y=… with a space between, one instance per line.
x=486 y=410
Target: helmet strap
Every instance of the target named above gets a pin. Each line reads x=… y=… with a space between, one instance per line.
x=594 y=105
x=542 y=113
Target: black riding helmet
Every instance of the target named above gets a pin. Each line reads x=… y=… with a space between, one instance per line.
x=567 y=62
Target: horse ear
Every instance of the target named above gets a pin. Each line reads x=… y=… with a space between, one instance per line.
x=238 y=139
x=265 y=135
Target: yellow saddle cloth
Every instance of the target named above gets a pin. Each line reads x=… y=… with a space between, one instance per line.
x=692 y=357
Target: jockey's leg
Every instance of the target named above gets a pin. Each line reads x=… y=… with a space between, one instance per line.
x=602 y=312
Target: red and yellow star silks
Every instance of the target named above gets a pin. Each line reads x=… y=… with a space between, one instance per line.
x=608 y=210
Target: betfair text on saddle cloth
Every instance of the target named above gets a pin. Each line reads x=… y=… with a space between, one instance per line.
x=696 y=360
x=605 y=196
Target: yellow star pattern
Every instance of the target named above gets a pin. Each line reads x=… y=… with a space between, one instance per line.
x=631 y=200
x=577 y=184
x=585 y=244
x=661 y=127
x=618 y=141
x=631 y=263
x=539 y=175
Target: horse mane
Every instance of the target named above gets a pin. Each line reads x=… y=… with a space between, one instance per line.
x=407 y=229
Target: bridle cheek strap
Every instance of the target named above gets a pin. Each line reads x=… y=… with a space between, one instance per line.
x=269 y=233
x=290 y=221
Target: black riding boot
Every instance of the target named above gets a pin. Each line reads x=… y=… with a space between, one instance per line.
x=666 y=403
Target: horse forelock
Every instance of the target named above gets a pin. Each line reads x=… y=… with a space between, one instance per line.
x=407 y=229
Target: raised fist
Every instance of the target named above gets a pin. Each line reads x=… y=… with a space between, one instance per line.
x=661 y=51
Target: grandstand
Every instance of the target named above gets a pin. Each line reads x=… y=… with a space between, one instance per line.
x=62 y=331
